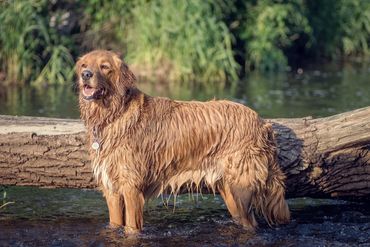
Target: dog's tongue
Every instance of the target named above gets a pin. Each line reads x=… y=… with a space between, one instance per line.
x=88 y=91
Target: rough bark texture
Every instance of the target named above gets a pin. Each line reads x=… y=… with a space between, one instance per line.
x=44 y=152
x=325 y=157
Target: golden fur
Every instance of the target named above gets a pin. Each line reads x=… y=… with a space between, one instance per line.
x=149 y=145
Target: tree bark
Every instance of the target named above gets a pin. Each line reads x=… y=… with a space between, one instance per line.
x=325 y=157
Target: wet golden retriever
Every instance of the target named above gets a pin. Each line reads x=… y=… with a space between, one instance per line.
x=143 y=146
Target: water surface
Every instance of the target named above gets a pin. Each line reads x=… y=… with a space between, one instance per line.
x=320 y=90
x=69 y=217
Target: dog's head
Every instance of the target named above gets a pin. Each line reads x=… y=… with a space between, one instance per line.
x=102 y=75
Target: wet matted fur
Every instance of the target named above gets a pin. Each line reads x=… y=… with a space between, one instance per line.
x=146 y=146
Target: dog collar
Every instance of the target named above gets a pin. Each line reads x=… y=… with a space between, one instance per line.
x=96 y=143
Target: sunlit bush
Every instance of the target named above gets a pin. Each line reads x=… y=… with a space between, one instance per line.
x=178 y=41
x=270 y=28
x=340 y=27
x=31 y=49
x=169 y=39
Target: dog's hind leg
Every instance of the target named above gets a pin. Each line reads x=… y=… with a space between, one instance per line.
x=238 y=202
x=116 y=208
x=134 y=206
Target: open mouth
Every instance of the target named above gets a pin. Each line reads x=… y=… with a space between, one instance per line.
x=90 y=93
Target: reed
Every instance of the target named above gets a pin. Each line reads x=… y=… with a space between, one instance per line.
x=31 y=50
x=173 y=40
x=193 y=44
x=340 y=28
x=183 y=42
x=269 y=30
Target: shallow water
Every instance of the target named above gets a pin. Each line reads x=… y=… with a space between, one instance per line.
x=69 y=217
x=320 y=90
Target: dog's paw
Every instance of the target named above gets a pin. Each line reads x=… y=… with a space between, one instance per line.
x=113 y=226
x=131 y=231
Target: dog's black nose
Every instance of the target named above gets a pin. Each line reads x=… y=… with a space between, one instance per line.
x=86 y=74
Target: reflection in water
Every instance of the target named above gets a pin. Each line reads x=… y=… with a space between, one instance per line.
x=58 y=101
x=319 y=91
x=67 y=217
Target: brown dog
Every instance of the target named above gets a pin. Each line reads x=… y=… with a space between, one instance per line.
x=141 y=146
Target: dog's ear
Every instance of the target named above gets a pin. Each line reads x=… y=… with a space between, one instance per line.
x=125 y=74
x=126 y=79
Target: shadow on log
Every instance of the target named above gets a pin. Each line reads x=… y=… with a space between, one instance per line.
x=325 y=157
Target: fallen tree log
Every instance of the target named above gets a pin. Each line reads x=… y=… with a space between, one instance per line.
x=325 y=157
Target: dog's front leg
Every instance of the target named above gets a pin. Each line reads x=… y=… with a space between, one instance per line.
x=134 y=206
x=116 y=208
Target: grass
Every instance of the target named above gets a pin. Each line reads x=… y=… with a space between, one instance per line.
x=5 y=203
x=187 y=42
x=340 y=27
x=32 y=50
x=193 y=44
x=270 y=28
x=169 y=39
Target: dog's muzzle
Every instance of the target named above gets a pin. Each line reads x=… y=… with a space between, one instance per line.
x=88 y=91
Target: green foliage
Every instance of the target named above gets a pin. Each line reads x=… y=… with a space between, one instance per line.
x=270 y=28
x=340 y=27
x=105 y=23
x=179 y=41
x=17 y=44
x=59 y=67
x=31 y=48
x=193 y=44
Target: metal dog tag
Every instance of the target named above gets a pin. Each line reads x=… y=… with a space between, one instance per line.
x=95 y=145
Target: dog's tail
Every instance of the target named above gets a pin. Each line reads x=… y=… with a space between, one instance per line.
x=272 y=205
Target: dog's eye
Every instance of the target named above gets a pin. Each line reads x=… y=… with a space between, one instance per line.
x=84 y=66
x=104 y=66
